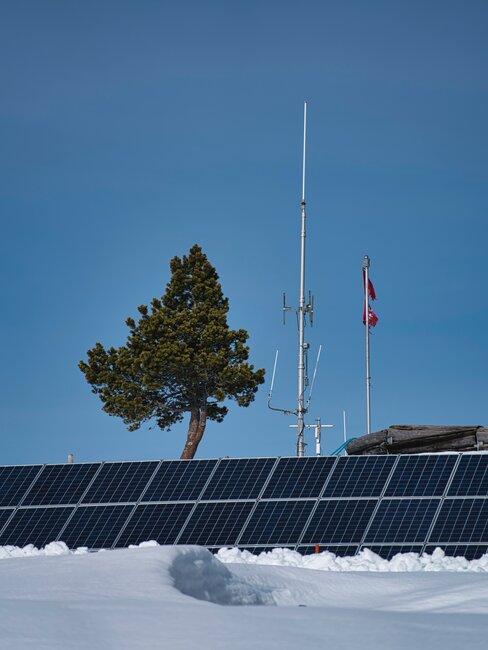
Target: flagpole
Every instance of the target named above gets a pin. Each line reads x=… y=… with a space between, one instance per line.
x=366 y=265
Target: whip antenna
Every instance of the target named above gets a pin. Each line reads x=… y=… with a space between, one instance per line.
x=305 y=310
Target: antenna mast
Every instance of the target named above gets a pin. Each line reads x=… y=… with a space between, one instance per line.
x=303 y=308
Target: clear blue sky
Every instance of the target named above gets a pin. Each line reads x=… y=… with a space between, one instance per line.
x=131 y=130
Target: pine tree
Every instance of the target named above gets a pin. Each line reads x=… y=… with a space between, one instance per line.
x=180 y=357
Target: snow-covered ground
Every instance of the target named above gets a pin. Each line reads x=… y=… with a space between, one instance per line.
x=184 y=598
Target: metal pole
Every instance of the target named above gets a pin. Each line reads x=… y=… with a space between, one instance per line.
x=366 y=265
x=318 y=433
x=302 y=307
x=344 y=430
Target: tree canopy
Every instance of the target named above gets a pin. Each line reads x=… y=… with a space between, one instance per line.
x=180 y=357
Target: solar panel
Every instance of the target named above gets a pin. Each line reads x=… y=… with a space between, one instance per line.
x=387 y=551
x=120 y=482
x=461 y=520
x=387 y=503
x=471 y=476
x=402 y=520
x=359 y=476
x=337 y=522
x=15 y=481
x=216 y=524
x=4 y=516
x=295 y=478
x=37 y=526
x=179 y=480
x=60 y=484
x=277 y=522
x=95 y=526
x=238 y=479
x=416 y=476
x=469 y=551
x=159 y=522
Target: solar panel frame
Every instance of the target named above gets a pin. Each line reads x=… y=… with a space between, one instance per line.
x=421 y=475
x=224 y=519
x=161 y=522
x=295 y=478
x=172 y=474
x=470 y=477
x=238 y=478
x=35 y=525
x=392 y=522
x=461 y=521
x=56 y=486
x=280 y=521
x=95 y=526
x=15 y=482
x=60 y=484
x=359 y=477
x=5 y=514
x=122 y=482
x=335 y=515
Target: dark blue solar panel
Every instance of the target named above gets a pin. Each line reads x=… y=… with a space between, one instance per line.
x=60 y=484
x=14 y=482
x=339 y=522
x=120 y=482
x=359 y=476
x=216 y=524
x=387 y=551
x=95 y=526
x=418 y=476
x=462 y=520
x=295 y=478
x=471 y=476
x=340 y=551
x=37 y=526
x=277 y=522
x=4 y=517
x=159 y=522
x=179 y=480
x=402 y=520
x=238 y=478
x=469 y=551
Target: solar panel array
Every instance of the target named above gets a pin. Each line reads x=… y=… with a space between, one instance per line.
x=388 y=504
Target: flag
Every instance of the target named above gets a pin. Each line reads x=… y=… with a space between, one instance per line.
x=371 y=291
x=373 y=318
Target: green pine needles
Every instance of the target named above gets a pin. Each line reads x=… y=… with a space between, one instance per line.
x=180 y=357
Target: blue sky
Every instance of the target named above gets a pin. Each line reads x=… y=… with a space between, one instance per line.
x=132 y=130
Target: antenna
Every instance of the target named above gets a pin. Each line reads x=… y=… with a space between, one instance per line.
x=313 y=376
x=305 y=309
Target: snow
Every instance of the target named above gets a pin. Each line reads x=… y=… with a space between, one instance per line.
x=365 y=561
x=183 y=598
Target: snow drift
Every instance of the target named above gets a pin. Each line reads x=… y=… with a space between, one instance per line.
x=172 y=597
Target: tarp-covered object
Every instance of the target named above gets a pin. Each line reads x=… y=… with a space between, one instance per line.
x=420 y=438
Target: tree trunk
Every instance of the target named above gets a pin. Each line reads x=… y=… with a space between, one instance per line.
x=196 y=429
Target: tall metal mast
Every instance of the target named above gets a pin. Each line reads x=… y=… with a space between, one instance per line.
x=305 y=308
x=302 y=307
